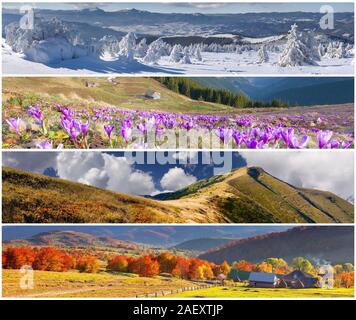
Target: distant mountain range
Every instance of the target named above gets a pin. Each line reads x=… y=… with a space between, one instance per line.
x=245 y=195
x=69 y=238
x=321 y=244
x=152 y=235
x=294 y=90
x=184 y=24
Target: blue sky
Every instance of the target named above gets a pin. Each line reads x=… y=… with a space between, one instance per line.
x=206 y=8
x=132 y=172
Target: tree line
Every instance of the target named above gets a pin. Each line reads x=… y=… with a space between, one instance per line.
x=150 y=265
x=196 y=91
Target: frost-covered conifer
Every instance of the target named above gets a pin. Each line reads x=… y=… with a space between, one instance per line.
x=127 y=46
x=155 y=51
x=295 y=52
x=176 y=53
x=262 y=55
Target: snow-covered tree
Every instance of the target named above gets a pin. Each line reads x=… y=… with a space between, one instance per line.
x=176 y=53
x=262 y=55
x=186 y=57
x=141 y=48
x=311 y=45
x=107 y=46
x=321 y=50
x=329 y=51
x=127 y=46
x=197 y=53
x=336 y=50
x=340 y=51
x=155 y=51
x=20 y=39
x=295 y=52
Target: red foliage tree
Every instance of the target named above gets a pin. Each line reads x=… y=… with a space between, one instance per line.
x=345 y=279
x=181 y=269
x=244 y=265
x=145 y=266
x=167 y=262
x=118 y=263
x=52 y=259
x=18 y=257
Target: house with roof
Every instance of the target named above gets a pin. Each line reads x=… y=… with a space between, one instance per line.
x=299 y=279
x=263 y=280
x=151 y=94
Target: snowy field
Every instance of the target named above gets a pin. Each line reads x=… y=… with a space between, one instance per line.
x=212 y=63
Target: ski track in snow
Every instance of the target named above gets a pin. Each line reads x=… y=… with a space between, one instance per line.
x=213 y=63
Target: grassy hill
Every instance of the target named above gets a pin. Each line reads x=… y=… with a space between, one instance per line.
x=30 y=197
x=327 y=243
x=253 y=195
x=124 y=92
x=246 y=195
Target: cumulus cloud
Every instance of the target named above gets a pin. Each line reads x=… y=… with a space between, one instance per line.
x=328 y=171
x=93 y=168
x=176 y=179
x=104 y=171
x=184 y=157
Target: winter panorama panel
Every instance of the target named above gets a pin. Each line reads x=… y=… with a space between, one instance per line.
x=153 y=38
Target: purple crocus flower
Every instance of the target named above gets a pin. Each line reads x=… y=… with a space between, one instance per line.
x=84 y=128
x=142 y=127
x=14 y=124
x=188 y=125
x=224 y=134
x=287 y=136
x=346 y=144
x=44 y=145
x=126 y=130
x=238 y=137
x=324 y=138
x=36 y=113
x=108 y=129
x=299 y=145
x=75 y=130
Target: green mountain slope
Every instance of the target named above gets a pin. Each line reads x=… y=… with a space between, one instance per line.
x=202 y=244
x=123 y=92
x=253 y=195
x=327 y=243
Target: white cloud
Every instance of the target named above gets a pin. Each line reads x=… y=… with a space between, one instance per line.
x=184 y=157
x=93 y=168
x=330 y=171
x=104 y=171
x=176 y=179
